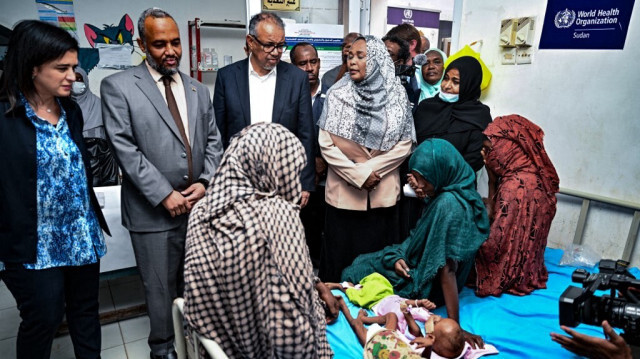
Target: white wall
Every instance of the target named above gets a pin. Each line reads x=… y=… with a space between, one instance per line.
x=587 y=103
x=97 y=13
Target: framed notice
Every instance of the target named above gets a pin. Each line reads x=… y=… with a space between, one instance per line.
x=586 y=24
x=281 y=5
x=427 y=21
x=327 y=40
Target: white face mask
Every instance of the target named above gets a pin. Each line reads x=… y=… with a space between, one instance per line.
x=78 y=88
x=448 y=97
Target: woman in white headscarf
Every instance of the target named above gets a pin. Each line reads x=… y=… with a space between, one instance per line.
x=366 y=131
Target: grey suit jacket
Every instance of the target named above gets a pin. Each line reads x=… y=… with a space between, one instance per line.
x=149 y=148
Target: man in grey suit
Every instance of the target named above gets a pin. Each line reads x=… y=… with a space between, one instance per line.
x=161 y=125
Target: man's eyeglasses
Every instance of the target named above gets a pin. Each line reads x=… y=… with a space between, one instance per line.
x=281 y=47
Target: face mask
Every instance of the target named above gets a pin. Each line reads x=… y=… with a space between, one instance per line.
x=78 y=88
x=448 y=97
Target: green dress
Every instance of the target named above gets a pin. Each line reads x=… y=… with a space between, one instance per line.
x=453 y=226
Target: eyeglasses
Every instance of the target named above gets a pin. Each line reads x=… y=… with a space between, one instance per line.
x=281 y=47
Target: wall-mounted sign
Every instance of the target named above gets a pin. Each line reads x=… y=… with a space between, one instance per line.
x=586 y=24
x=424 y=20
x=281 y=5
x=326 y=38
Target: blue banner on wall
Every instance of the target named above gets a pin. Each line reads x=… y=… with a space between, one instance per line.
x=586 y=24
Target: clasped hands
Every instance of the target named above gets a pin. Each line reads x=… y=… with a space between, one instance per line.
x=178 y=203
x=372 y=181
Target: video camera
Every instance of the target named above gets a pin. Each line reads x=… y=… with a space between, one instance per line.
x=621 y=308
x=406 y=72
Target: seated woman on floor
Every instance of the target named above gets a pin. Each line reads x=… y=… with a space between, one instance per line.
x=442 y=247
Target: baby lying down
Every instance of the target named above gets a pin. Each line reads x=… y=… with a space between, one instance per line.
x=383 y=336
x=394 y=329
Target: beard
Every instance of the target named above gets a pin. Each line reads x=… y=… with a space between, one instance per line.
x=165 y=71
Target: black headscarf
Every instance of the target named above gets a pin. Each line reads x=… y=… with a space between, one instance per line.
x=435 y=118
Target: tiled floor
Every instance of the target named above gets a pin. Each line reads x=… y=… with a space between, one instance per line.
x=123 y=340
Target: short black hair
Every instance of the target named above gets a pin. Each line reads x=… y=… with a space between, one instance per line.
x=31 y=44
x=292 y=54
x=154 y=12
x=403 y=53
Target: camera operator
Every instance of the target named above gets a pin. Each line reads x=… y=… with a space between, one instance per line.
x=401 y=56
x=613 y=347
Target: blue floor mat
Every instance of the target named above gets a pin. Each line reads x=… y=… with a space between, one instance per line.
x=518 y=327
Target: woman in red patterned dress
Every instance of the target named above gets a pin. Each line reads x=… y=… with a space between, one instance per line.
x=522 y=204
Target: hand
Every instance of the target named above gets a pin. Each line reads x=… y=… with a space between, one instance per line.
x=194 y=193
x=413 y=183
x=304 y=199
x=613 y=347
x=488 y=203
x=401 y=268
x=424 y=342
x=483 y=152
x=321 y=168
x=332 y=305
x=176 y=204
x=371 y=182
x=475 y=340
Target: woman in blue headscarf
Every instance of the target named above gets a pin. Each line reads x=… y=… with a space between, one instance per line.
x=430 y=75
x=441 y=249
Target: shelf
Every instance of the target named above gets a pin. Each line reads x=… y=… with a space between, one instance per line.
x=225 y=23
x=195 y=45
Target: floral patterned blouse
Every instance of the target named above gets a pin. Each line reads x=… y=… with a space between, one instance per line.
x=68 y=230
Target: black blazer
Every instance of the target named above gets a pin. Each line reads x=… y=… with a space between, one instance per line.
x=291 y=107
x=18 y=185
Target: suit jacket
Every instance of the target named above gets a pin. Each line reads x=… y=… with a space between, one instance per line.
x=316 y=110
x=329 y=78
x=291 y=107
x=350 y=164
x=149 y=148
x=18 y=180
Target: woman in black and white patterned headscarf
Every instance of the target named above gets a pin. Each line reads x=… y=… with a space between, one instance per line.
x=248 y=276
x=366 y=131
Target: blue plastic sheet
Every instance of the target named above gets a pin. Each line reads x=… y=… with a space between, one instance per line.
x=517 y=326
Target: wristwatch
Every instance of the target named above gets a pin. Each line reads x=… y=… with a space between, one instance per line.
x=204 y=182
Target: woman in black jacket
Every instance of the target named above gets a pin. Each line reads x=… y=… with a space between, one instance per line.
x=51 y=239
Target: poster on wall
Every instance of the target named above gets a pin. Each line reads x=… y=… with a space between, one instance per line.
x=281 y=5
x=59 y=13
x=586 y=24
x=326 y=38
x=427 y=21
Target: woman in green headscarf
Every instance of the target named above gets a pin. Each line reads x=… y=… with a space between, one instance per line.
x=441 y=248
x=430 y=75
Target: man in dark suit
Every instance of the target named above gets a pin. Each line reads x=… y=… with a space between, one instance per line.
x=161 y=125
x=305 y=57
x=264 y=89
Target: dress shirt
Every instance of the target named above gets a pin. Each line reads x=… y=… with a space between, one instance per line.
x=262 y=91
x=315 y=94
x=177 y=87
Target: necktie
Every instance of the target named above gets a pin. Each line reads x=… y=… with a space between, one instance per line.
x=175 y=113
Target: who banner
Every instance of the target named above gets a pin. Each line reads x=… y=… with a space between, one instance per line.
x=586 y=24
